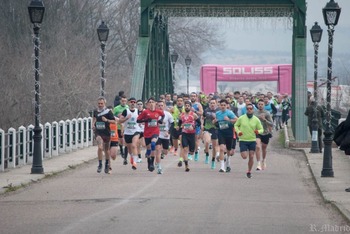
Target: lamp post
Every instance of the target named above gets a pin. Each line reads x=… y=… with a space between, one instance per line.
x=316 y=35
x=188 y=63
x=36 y=11
x=174 y=56
x=102 y=32
x=331 y=13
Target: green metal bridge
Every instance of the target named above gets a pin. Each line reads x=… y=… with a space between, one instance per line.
x=152 y=74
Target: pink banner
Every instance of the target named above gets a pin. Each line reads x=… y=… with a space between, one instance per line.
x=211 y=74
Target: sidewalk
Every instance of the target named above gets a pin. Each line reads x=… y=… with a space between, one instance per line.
x=18 y=177
x=332 y=189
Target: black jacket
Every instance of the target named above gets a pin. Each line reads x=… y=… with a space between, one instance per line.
x=342 y=135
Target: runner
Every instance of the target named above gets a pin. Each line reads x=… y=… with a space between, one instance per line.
x=150 y=117
x=164 y=135
x=225 y=119
x=188 y=122
x=117 y=111
x=198 y=109
x=176 y=133
x=247 y=127
x=262 y=139
x=142 y=128
x=131 y=131
x=100 y=122
x=210 y=133
x=114 y=139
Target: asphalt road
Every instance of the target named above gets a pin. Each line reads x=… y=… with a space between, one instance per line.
x=281 y=199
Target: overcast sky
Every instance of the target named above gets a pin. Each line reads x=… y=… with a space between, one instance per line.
x=276 y=34
x=247 y=39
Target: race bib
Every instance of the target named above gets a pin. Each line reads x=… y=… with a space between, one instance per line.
x=152 y=123
x=131 y=125
x=100 y=125
x=113 y=133
x=223 y=125
x=162 y=128
x=187 y=126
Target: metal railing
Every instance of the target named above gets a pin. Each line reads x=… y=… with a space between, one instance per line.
x=17 y=146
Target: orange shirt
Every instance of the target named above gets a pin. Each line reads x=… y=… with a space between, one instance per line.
x=114 y=132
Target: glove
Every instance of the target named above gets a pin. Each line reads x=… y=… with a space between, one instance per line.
x=240 y=134
x=256 y=132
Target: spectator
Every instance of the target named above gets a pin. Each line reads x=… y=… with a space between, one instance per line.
x=117 y=98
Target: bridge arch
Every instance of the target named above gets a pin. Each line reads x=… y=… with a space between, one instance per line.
x=152 y=74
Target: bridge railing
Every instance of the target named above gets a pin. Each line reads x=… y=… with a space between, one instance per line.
x=17 y=146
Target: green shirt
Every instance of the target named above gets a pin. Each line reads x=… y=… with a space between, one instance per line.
x=247 y=126
x=176 y=113
x=118 y=110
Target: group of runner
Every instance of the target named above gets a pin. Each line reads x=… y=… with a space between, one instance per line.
x=174 y=122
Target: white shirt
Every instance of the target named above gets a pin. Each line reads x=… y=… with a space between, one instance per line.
x=165 y=126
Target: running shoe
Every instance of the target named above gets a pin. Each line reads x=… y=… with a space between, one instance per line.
x=213 y=165
x=151 y=167
x=187 y=169
x=206 y=160
x=222 y=170
x=125 y=162
x=179 y=164
x=99 y=168
x=263 y=166
x=139 y=160
x=258 y=167
x=228 y=169
x=134 y=166
x=107 y=169
x=190 y=157
x=196 y=156
x=249 y=175
x=162 y=156
x=159 y=171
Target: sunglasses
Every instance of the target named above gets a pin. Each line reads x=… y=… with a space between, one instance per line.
x=132 y=102
x=249 y=108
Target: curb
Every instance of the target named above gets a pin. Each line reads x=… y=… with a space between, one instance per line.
x=336 y=205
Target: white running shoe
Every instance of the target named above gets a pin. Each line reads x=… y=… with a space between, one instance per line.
x=258 y=167
x=263 y=166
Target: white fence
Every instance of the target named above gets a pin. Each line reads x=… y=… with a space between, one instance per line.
x=17 y=146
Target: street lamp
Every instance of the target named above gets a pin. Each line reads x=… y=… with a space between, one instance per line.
x=188 y=63
x=102 y=32
x=331 y=13
x=316 y=35
x=174 y=56
x=36 y=11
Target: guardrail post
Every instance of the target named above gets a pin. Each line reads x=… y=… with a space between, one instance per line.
x=91 y=133
x=12 y=142
x=61 y=137
x=80 y=130
x=2 y=150
x=68 y=135
x=74 y=134
x=22 y=145
x=30 y=143
x=86 y=132
x=55 y=138
x=48 y=140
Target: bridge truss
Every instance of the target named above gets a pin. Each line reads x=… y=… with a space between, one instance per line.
x=152 y=74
